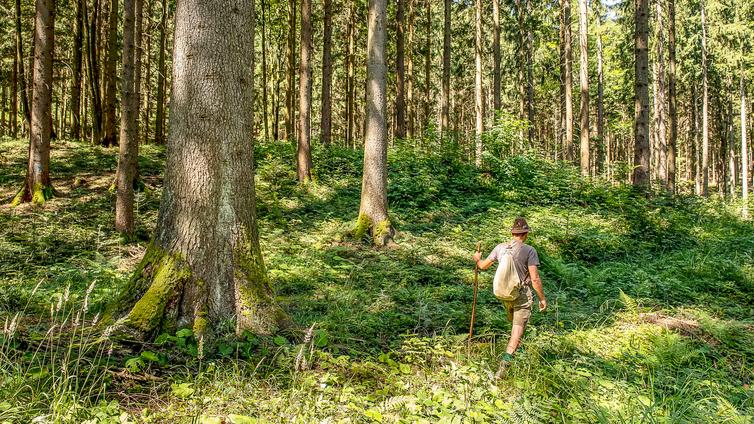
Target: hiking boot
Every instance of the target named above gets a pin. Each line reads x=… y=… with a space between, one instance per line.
x=502 y=370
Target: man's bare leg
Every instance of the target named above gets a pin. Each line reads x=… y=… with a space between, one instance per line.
x=517 y=332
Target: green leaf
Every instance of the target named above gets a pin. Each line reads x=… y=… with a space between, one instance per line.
x=210 y=420
x=241 y=419
x=134 y=364
x=321 y=339
x=182 y=390
x=184 y=333
x=162 y=339
x=225 y=349
x=280 y=340
x=405 y=368
x=373 y=414
x=150 y=356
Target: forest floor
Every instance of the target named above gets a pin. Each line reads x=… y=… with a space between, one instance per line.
x=650 y=319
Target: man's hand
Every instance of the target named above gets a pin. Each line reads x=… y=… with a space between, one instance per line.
x=477 y=256
x=542 y=305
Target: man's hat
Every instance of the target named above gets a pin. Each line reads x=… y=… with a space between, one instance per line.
x=520 y=226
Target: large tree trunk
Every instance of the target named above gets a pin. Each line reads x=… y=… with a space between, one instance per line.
x=108 y=138
x=205 y=265
x=496 y=55
x=672 y=102
x=744 y=152
x=600 y=160
x=159 y=131
x=662 y=145
x=37 y=186
x=410 y=103
x=705 y=102
x=290 y=114
x=373 y=217
x=128 y=143
x=400 y=71
x=584 y=79
x=326 y=115
x=641 y=90
x=445 y=101
x=78 y=40
x=92 y=65
x=20 y=63
x=568 y=78
x=304 y=154
x=478 y=84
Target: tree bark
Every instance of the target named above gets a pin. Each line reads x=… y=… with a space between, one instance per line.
x=530 y=77
x=290 y=70
x=14 y=98
x=427 y=63
x=705 y=102
x=584 y=79
x=92 y=65
x=205 y=264
x=744 y=153
x=138 y=50
x=400 y=71
x=159 y=132
x=445 y=101
x=496 y=55
x=108 y=138
x=600 y=160
x=326 y=114
x=78 y=41
x=672 y=101
x=373 y=210
x=304 y=154
x=641 y=90
x=350 y=81
x=662 y=146
x=478 y=85
x=410 y=103
x=20 y=63
x=265 y=105
x=128 y=143
x=568 y=79
x=37 y=187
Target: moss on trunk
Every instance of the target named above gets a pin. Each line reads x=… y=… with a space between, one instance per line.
x=37 y=196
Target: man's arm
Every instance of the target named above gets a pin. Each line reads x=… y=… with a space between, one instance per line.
x=536 y=282
x=482 y=264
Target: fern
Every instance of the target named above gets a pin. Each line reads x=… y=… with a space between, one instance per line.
x=526 y=412
x=630 y=304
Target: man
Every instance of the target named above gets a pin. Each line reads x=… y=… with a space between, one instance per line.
x=526 y=261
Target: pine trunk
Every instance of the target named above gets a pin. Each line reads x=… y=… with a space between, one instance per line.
x=427 y=63
x=478 y=85
x=568 y=79
x=109 y=137
x=400 y=71
x=92 y=65
x=304 y=154
x=373 y=216
x=641 y=90
x=128 y=144
x=662 y=145
x=705 y=103
x=600 y=160
x=290 y=70
x=78 y=40
x=445 y=101
x=744 y=153
x=326 y=115
x=410 y=103
x=350 y=81
x=584 y=79
x=37 y=186
x=138 y=51
x=672 y=101
x=159 y=131
x=20 y=63
x=265 y=105
x=496 y=55
x=204 y=266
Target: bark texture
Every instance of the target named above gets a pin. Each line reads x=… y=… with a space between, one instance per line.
x=127 y=155
x=326 y=117
x=159 y=131
x=373 y=216
x=109 y=130
x=304 y=154
x=478 y=85
x=662 y=142
x=672 y=101
x=445 y=101
x=400 y=71
x=37 y=187
x=705 y=105
x=584 y=79
x=568 y=78
x=204 y=265
x=78 y=42
x=496 y=55
x=641 y=90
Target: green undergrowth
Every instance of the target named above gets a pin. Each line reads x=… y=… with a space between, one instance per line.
x=650 y=320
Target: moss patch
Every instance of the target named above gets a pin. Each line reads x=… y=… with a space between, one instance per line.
x=363 y=224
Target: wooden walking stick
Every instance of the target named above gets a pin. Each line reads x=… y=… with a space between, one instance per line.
x=476 y=288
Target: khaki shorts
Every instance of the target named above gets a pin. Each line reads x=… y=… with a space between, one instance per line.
x=519 y=310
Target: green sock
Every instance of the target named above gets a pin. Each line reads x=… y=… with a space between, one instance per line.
x=507 y=357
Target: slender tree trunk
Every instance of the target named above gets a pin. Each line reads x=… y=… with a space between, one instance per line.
x=110 y=77
x=445 y=101
x=496 y=55
x=326 y=115
x=20 y=63
x=138 y=51
x=14 y=98
x=672 y=101
x=125 y=175
x=521 y=62
x=290 y=69
x=159 y=132
x=744 y=152
x=600 y=161
x=400 y=71
x=410 y=104
x=584 y=79
x=427 y=62
x=304 y=155
x=568 y=79
x=731 y=145
x=92 y=65
x=204 y=266
x=373 y=211
x=265 y=105
x=662 y=145
x=350 y=81
x=530 y=77
x=37 y=186
x=4 y=89
x=641 y=87
x=705 y=101
x=78 y=40
x=478 y=85
x=147 y=98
